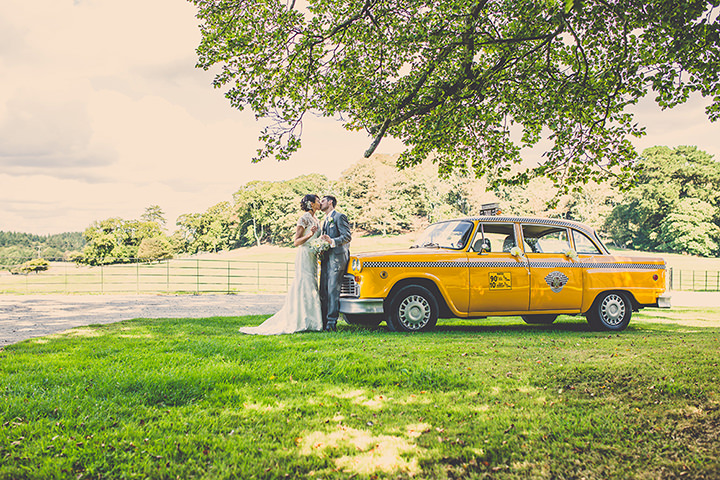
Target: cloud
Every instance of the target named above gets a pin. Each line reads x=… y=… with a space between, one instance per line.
x=45 y=133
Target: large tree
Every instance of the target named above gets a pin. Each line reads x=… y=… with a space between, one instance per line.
x=675 y=206
x=115 y=240
x=450 y=78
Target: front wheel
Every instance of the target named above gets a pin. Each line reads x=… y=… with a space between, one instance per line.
x=412 y=309
x=611 y=311
x=540 y=319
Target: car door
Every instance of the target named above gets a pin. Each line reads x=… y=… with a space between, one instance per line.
x=556 y=280
x=499 y=276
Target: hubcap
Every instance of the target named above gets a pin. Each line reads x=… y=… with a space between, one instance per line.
x=612 y=310
x=414 y=312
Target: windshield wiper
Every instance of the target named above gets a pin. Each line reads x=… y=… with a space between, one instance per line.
x=430 y=244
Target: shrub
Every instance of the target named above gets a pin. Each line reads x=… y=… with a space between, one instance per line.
x=155 y=248
x=37 y=265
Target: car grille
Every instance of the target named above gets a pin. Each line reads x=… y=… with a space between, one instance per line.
x=349 y=287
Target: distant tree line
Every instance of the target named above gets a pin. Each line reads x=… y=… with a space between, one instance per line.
x=674 y=207
x=17 y=248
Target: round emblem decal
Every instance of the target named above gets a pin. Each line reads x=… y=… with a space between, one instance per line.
x=383 y=274
x=556 y=281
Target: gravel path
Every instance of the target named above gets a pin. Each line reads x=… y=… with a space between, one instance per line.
x=28 y=316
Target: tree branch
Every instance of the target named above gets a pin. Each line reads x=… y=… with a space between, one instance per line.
x=378 y=138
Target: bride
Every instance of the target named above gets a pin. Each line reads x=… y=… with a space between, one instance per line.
x=301 y=311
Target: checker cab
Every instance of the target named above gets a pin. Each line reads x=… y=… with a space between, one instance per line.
x=478 y=267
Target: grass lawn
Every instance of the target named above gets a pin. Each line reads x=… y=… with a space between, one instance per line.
x=497 y=399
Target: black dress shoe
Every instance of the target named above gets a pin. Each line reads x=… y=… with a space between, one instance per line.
x=330 y=328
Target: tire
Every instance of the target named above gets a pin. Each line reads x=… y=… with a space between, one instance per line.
x=611 y=311
x=540 y=319
x=370 y=320
x=413 y=309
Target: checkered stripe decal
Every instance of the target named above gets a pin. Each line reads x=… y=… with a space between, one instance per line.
x=441 y=264
x=414 y=264
x=617 y=266
x=498 y=264
x=531 y=221
x=630 y=266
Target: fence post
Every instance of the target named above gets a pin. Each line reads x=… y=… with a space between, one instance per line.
x=137 y=276
x=197 y=276
x=167 y=276
x=228 y=278
x=102 y=279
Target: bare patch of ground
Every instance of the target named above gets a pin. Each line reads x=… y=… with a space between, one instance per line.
x=361 y=452
x=30 y=316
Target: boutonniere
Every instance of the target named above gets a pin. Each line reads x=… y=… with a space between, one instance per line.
x=330 y=220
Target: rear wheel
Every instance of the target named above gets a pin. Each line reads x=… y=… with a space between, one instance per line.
x=611 y=311
x=370 y=320
x=413 y=309
x=541 y=319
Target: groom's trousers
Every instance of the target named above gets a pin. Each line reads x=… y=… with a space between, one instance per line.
x=332 y=271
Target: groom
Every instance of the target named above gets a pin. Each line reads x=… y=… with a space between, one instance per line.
x=333 y=265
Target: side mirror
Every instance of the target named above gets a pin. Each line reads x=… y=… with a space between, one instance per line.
x=482 y=246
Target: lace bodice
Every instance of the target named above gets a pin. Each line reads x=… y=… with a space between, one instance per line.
x=307 y=220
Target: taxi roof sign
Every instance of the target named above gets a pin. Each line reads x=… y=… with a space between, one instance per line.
x=490 y=209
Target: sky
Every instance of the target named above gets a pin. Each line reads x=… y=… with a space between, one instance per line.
x=103 y=113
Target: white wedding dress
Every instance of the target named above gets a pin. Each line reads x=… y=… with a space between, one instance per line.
x=301 y=311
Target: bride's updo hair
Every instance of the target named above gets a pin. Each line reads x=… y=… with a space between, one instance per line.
x=307 y=201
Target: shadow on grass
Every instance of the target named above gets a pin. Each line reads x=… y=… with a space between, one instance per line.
x=483 y=326
x=509 y=326
x=559 y=327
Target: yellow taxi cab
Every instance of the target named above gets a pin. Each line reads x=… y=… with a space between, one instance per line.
x=477 y=267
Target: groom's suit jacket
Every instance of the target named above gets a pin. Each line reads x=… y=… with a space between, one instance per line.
x=337 y=227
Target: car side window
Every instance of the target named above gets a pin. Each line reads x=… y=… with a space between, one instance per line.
x=545 y=239
x=499 y=237
x=584 y=245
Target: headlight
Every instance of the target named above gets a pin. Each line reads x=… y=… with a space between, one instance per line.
x=356 y=265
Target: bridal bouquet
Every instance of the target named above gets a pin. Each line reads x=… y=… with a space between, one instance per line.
x=516 y=252
x=318 y=245
x=571 y=254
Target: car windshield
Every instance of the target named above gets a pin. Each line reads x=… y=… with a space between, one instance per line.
x=453 y=235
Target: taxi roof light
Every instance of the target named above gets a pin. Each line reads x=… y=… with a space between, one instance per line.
x=490 y=209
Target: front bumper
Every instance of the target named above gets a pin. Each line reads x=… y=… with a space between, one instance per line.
x=356 y=306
